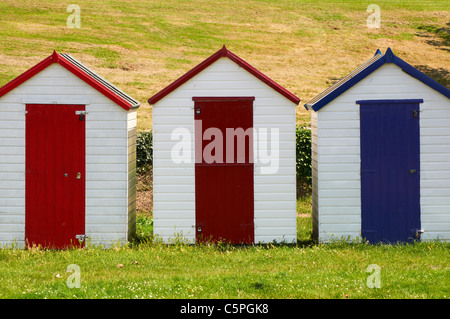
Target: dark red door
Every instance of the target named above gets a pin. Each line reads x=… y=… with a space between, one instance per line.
x=55 y=175
x=224 y=200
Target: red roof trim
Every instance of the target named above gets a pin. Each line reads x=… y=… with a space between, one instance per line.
x=26 y=75
x=224 y=52
x=263 y=77
x=57 y=58
x=95 y=84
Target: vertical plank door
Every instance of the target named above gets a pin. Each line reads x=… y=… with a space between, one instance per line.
x=55 y=175
x=390 y=170
x=224 y=199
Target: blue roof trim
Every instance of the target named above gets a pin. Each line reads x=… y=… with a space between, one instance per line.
x=405 y=101
x=344 y=87
x=407 y=68
x=388 y=57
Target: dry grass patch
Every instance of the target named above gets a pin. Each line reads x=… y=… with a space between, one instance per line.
x=144 y=191
x=143 y=46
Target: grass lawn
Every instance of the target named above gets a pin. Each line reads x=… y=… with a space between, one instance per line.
x=154 y=270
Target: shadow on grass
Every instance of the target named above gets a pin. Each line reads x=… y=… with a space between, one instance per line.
x=443 y=35
x=440 y=75
x=147 y=239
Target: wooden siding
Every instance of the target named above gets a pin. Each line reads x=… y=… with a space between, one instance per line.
x=315 y=179
x=131 y=221
x=174 y=184
x=106 y=155
x=338 y=177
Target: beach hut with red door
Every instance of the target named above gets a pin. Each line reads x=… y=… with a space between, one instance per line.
x=67 y=157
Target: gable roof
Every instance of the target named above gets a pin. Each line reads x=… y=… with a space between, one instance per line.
x=364 y=70
x=81 y=71
x=224 y=52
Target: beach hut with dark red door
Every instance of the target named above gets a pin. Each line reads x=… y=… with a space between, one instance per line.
x=224 y=155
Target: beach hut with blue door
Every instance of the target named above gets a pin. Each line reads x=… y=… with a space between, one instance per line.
x=381 y=155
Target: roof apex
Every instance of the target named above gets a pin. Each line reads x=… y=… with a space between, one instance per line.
x=55 y=56
x=224 y=50
x=389 y=55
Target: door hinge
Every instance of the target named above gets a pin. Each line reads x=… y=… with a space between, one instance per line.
x=416 y=113
x=418 y=233
x=81 y=238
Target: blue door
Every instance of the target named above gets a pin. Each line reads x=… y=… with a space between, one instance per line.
x=390 y=170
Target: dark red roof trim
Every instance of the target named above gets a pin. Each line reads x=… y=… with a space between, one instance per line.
x=89 y=79
x=222 y=98
x=224 y=52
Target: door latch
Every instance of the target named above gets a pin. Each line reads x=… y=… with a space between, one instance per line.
x=81 y=114
x=78 y=175
x=412 y=171
x=199 y=229
x=415 y=113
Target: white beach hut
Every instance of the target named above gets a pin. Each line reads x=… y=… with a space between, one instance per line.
x=67 y=157
x=381 y=155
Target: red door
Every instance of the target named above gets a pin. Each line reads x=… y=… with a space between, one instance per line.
x=224 y=199
x=55 y=175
